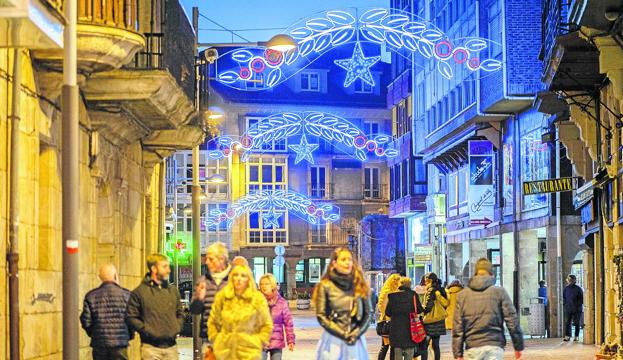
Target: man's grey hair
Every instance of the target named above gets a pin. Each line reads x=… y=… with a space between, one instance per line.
x=220 y=249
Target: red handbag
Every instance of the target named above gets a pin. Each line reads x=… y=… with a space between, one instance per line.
x=418 y=334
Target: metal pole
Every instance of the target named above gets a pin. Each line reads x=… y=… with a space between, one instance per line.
x=13 y=255
x=602 y=237
x=196 y=249
x=162 y=200
x=71 y=184
x=559 y=310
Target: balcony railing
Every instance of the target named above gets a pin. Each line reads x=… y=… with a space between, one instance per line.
x=334 y=237
x=172 y=50
x=375 y=192
x=116 y=13
x=553 y=24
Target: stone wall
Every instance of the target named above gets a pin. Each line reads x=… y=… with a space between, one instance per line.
x=114 y=185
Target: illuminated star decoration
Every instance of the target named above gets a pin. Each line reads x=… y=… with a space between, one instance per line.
x=304 y=150
x=358 y=67
x=271 y=220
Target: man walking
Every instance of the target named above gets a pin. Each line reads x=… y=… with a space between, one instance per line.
x=217 y=260
x=573 y=299
x=479 y=317
x=103 y=317
x=155 y=311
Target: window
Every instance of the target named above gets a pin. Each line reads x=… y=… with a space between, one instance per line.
x=419 y=176
x=403 y=121
x=463 y=181
x=372 y=183
x=396 y=188
x=452 y=190
x=495 y=29
x=256 y=81
x=363 y=87
x=318 y=234
x=213 y=233
x=405 y=178
x=534 y=166
x=310 y=81
x=266 y=174
x=215 y=167
x=371 y=128
x=275 y=145
x=314 y=270
x=300 y=271
x=259 y=268
x=318 y=182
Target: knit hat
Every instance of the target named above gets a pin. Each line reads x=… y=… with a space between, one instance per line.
x=484 y=264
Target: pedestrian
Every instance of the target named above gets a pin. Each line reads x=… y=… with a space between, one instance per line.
x=343 y=309
x=217 y=261
x=420 y=289
x=239 y=260
x=452 y=290
x=239 y=325
x=573 y=299
x=542 y=291
x=391 y=285
x=155 y=311
x=103 y=317
x=481 y=311
x=435 y=304
x=282 y=319
x=374 y=300
x=399 y=307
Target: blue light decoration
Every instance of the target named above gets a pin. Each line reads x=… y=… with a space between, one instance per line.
x=336 y=130
x=271 y=200
x=259 y=68
x=358 y=67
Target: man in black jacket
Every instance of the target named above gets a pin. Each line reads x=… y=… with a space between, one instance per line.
x=155 y=311
x=103 y=317
x=399 y=306
x=573 y=299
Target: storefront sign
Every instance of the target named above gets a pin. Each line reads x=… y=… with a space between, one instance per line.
x=507 y=187
x=436 y=208
x=550 y=185
x=481 y=199
x=584 y=194
x=587 y=215
x=423 y=253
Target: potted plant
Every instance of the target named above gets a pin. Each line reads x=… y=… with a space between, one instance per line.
x=303 y=298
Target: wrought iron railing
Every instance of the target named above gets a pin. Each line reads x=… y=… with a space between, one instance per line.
x=553 y=24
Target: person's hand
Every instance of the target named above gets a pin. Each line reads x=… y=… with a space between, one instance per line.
x=291 y=346
x=201 y=291
x=517 y=355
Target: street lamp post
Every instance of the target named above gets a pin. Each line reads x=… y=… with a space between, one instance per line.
x=196 y=198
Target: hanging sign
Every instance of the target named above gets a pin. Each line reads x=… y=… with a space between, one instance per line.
x=550 y=185
x=481 y=197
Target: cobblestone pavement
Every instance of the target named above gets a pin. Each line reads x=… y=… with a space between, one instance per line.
x=308 y=332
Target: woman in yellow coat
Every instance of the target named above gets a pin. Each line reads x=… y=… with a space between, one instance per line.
x=452 y=292
x=240 y=324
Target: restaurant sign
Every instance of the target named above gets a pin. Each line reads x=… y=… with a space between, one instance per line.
x=550 y=185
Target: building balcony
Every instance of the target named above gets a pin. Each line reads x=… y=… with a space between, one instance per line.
x=407 y=205
x=332 y=238
x=32 y=24
x=107 y=37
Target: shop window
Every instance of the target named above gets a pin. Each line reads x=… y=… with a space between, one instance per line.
x=300 y=271
x=314 y=270
x=534 y=166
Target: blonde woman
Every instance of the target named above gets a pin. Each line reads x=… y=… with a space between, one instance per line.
x=343 y=309
x=282 y=319
x=391 y=285
x=240 y=325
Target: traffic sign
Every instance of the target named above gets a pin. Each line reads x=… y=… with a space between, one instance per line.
x=279 y=261
x=280 y=250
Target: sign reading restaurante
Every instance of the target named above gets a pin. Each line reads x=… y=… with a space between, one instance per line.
x=550 y=185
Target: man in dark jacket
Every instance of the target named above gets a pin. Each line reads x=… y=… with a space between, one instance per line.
x=479 y=317
x=217 y=260
x=399 y=306
x=103 y=317
x=573 y=299
x=155 y=311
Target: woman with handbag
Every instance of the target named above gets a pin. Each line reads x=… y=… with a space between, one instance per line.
x=382 y=327
x=435 y=304
x=403 y=307
x=343 y=309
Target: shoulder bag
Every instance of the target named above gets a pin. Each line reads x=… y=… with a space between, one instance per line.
x=418 y=334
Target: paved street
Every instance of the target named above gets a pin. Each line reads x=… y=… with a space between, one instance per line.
x=308 y=331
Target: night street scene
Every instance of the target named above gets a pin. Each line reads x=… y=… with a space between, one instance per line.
x=311 y=179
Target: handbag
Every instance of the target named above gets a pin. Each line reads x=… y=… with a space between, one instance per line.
x=382 y=327
x=418 y=334
x=438 y=313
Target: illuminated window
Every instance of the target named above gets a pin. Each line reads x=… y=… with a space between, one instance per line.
x=363 y=87
x=319 y=233
x=318 y=182
x=279 y=145
x=370 y=128
x=310 y=81
x=372 y=183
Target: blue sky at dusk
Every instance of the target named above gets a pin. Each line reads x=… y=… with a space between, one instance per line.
x=255 y=14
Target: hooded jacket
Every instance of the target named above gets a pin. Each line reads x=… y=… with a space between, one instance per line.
x=479 y=317
x=155 y=312
x=239 y=327
x=282 y=322
x=452 y=292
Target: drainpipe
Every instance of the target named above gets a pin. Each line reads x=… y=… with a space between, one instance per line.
x=13 y=255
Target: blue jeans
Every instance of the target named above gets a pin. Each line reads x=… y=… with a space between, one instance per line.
x=275 y=354
x=403 y=353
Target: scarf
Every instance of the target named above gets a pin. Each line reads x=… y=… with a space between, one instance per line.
x=218 y=277
x=272 y=299
x=342 y=281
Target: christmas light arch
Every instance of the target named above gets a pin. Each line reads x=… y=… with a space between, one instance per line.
x=258 y=68
x=334 y=129
x=267 y=201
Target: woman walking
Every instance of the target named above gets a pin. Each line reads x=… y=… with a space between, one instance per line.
x=452 y=291
x=240 y=324
x=400 y=305
x=391 y=285
x=282 y=319
x=435 y=303
x=343 y=309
